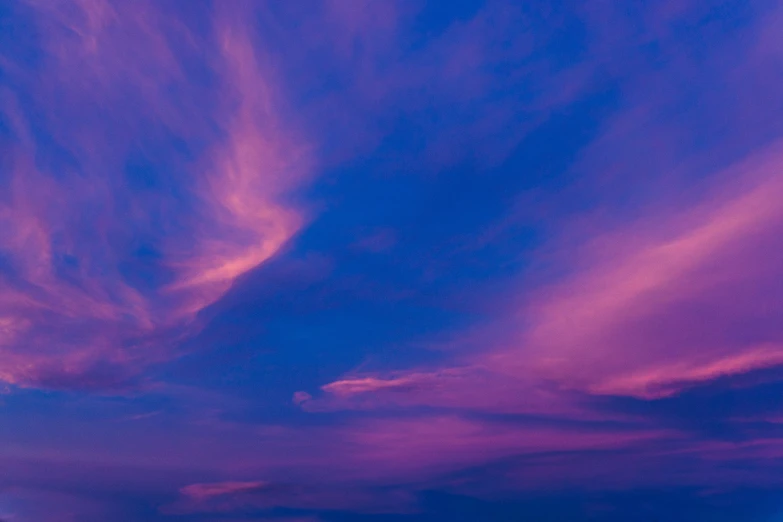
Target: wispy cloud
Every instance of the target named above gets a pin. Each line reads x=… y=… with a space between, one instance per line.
x=76 y=229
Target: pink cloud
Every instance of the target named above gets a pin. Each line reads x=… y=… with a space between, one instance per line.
x=241 y=185
x=428 y=446
x=106 y=84
x=202 y=492
x=662 y=304
x=347 y=463
x=227 y=497
x=347 y=387
x=649 y=308
x=301 y=397
x=473 y=387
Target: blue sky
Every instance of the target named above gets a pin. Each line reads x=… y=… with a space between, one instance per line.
x=390 y=261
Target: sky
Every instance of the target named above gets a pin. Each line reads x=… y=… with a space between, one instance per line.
x=391 y=261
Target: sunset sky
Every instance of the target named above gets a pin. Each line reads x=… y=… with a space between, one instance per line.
x=391 y=261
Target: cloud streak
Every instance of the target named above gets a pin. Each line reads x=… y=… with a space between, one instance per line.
x=668 y=304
